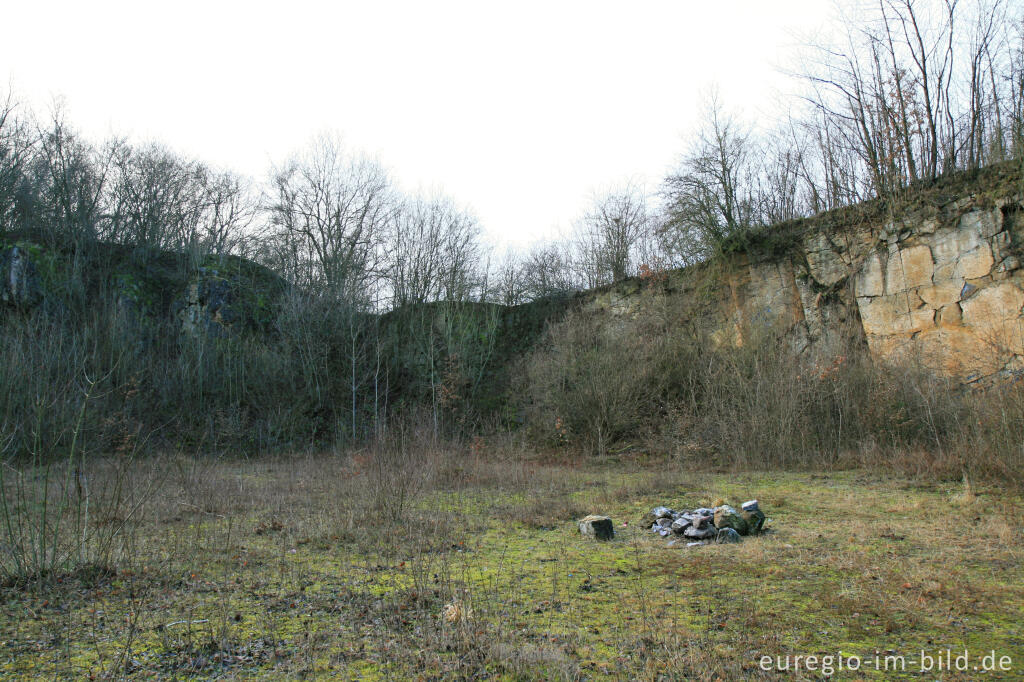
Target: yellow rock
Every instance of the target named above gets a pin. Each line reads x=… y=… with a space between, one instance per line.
x=975 y=263
x=957 y=352
x=994 y=315
x=909 y=268
x=941 y=293
x=898 y=314
x=870 y=280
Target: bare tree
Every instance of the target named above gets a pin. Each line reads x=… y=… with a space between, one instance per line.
x=157 y=200
x=783 y=193
x=613 y=236
x=17 y=146
x=917 y=89
x=548 y=270
x=71 y=178
x=230 y=212
x=328 y=212
x=712 y=197
x=508 y=278
x=433 y=252
x=1013 y=80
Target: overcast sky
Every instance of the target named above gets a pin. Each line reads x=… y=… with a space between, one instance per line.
x=518 y=110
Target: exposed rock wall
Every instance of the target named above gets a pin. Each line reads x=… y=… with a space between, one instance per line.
x=217 y=299
x=937 y=280
x=19 y=278
x=948 y=290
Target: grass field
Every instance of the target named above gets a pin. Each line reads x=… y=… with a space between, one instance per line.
x=440 y=565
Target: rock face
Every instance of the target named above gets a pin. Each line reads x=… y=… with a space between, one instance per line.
x=950 y=295
x=218 y=303
x=939 y=280
x=20 y=285
x=208 y=306
x=598 y=527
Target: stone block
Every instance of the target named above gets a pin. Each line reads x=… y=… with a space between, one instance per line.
x=908 y=268
x=977 y=262
x=884 y=315
x=870 y=280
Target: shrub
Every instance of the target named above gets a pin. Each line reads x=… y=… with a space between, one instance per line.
x=663 y=383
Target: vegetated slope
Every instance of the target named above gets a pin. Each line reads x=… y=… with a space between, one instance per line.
x=886 y=333
x=220 y=352
x=776 y=341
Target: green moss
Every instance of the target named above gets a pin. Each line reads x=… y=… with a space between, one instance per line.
x=47 y=263
x=831 y=575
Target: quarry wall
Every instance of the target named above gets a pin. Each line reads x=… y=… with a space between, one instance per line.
x=935 y=279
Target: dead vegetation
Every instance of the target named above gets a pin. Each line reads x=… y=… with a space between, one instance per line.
x=331 y=565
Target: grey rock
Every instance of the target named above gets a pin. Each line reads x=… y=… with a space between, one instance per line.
x=209 y=306
x=680 y=524
x=20 y=284
x=598 y=527
x=701 y=533
x=726 y=517
x=722 y=524
x=727 y=536
x=754 y=519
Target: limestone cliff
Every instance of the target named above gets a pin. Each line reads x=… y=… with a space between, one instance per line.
x=936 y=279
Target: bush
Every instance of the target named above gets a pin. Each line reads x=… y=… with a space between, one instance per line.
x=666 y=385
x=594 y=385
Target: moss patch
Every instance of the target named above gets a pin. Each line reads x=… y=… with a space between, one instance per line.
x=289 y=574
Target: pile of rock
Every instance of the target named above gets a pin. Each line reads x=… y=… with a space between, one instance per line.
x=706 y=525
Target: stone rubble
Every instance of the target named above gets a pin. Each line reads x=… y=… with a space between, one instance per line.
x=703 y=526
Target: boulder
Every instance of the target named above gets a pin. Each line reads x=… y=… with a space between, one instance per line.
x=726 y=517
x=754 y=519
x=727 y=536
x=707 y=532
x=681 y=524
x=598 y=527
x=662 y=512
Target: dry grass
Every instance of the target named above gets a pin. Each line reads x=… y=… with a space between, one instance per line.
x=432 y=564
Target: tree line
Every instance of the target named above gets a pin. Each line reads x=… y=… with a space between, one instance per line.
x=902 y=92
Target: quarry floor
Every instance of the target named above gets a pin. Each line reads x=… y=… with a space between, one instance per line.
x=463 y=565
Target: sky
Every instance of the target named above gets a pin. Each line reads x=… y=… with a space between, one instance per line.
x=519 y=111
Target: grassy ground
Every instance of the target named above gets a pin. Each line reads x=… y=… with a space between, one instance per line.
x=446 y=565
